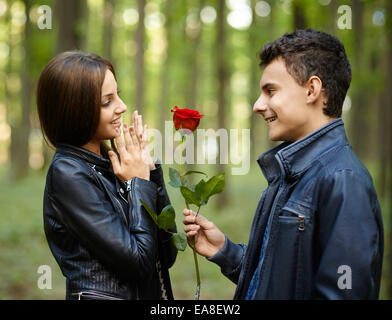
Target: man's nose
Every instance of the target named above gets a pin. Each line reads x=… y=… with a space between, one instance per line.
x=259 y=106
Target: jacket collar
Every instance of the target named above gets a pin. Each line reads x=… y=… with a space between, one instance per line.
x=290 y=159
x=83 y=154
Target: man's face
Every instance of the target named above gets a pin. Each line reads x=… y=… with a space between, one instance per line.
x=283 y=104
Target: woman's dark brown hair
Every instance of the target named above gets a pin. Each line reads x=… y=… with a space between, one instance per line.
x=69 y=98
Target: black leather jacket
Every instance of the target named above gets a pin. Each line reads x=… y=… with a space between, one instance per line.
x=106 y=244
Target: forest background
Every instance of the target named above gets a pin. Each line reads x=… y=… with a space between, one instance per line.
x=200 y=54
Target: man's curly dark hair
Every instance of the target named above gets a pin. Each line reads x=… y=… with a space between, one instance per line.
x=310 y=52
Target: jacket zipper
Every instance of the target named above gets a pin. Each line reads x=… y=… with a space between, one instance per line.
x=121 y=210
x=114 y=196
x=300 y=217
x=280 y=190
x=131 y=195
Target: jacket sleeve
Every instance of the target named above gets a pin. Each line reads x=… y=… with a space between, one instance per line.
x=168 y=252
x=83 y=208
x=350 y=239
x=230 y=259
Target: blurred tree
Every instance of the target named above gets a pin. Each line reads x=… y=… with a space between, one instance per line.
x=388 y=92
x=359 y=95
x=194 y=58
x=223 y=76
x=333 y=21
x=163 y=102
x=140 y=43
x=107 y=33
x=20 y=130
x=299 y=19
x=71 y=16
x=254 y=76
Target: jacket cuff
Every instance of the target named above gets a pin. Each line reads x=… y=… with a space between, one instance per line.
x=156 y=175
x=229 y=257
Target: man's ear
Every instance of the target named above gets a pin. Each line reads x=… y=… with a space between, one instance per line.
x=315 y=91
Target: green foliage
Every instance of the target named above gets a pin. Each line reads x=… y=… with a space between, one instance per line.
x=180 y=241
x=204 y=190
x=165 y=221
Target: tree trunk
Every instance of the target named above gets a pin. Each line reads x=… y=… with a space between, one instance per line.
x=107 y=40
x=299 y=19
x=389 y=106
x=254 y=75
x=357 y=117
x=333 y=20
x=71 y=15
x=19 y=148
x=140 y=39
x=223 y=78
x=195 y=65
x=163 y=103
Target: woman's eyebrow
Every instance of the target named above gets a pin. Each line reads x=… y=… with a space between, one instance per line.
x=107 y=95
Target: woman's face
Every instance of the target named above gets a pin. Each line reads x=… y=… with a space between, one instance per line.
x=112 y=108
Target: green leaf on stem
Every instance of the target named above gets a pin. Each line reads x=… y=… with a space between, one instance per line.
x=192 y=197
x=213 y=186
x=193 y=171
x=175 y=178
x=166 y=219
x=153 y=215
x=179 y=240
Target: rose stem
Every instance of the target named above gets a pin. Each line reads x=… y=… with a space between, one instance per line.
x=197 y=295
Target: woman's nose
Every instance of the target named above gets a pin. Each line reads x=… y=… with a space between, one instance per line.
x=121 y=107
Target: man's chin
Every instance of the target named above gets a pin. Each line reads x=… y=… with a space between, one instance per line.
x=275 y=137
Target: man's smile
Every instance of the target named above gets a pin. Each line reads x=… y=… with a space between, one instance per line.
x=270 y=119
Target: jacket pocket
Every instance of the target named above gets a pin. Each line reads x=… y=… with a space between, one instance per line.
x=94 y=295
x=286 y=272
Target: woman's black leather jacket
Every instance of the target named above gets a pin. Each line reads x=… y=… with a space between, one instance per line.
x=106 y=244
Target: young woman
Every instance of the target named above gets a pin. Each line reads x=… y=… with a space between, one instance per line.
x=105 y=243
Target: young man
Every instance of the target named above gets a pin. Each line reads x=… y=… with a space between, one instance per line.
x=317 y=232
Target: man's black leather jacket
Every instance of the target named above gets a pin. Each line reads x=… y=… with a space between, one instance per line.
x=104 y=241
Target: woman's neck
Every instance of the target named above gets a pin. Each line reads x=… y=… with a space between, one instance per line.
x=93 y=146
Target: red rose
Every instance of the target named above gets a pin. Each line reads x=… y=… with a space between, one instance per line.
x=186 y=118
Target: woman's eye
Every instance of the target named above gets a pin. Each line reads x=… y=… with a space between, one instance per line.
x=106 y=104
x=270 y=91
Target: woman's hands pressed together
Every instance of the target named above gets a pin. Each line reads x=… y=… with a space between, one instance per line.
x=133 y=162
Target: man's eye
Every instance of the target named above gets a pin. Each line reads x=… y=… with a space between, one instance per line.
x=270 y=91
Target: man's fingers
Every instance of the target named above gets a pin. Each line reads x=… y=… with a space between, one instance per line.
x=188 y=212
x=191 y=227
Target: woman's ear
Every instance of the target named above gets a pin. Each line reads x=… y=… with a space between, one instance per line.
x=315 y=91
